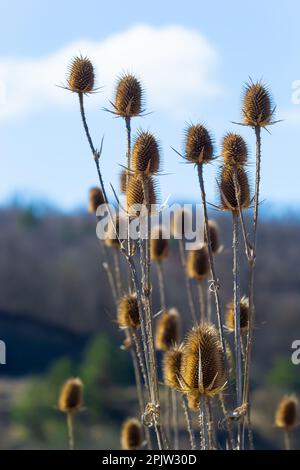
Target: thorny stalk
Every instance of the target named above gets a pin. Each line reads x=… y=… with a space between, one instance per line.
x=201 y=295
x=161 y=285
x=188 y=422
x=70 y=425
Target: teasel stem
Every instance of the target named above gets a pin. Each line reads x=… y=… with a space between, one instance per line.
x=252 y=261
x=140 y=359
x=146 y=269
x=214 y=280
x=201 y=295
x=175 y=419
x=128 y=156
x=208 y=304
x=118 y=272
x=187 y=282
x=237 y=320
x=228 y=423
x=203 y=423
x=210 y=423
x=70 y=425
x=287 y=439
x=109 y=274
x=161 y=284
x=168 y=412
x=188 y=422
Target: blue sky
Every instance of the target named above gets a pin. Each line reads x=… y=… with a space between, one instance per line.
x=193 y=58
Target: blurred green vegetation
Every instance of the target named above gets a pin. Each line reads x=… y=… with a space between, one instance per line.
x=103 y=368
x=284 y=376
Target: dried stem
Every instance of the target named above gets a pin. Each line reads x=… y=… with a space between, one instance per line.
x=237 y=320
x=188 y=422
x=201 y=295
x=187 y=282
x=214 y=280
x=161 y=284
x=287 y=439
x=175 y=419
x=70 y=425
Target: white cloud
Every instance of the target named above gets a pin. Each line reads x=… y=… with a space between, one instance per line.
x=176 y=65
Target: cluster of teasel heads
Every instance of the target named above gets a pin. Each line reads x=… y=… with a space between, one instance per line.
x=196 y=367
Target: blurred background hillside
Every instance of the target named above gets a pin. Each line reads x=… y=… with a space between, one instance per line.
x=57 y=320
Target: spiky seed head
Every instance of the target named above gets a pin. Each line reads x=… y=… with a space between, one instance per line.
x=145 y=154
x=257 y=105
x=70 y=397
x=111 y=239
x=203 y=351
x=197 y=265
x=128 y=312
x=234 y=149
x=129 y=96
x=81 y=77
x=244 y=314
x=123 y=181
x=167 y=330
x=198 y=144
x=96 y=199
x=193 y=401
x=131 y=434
x=214 y=234
x=171 y=367
x=228 y=196
x=159 y=246
x=136 y=197
x=287 y=413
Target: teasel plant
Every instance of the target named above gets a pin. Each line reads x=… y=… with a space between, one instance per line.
x=258 y=112
x=287 y=417
x=69 y=402
x=131 y=434
x=81 y=81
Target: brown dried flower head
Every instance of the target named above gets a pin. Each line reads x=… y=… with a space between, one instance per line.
x=129 y=96
x=70 y=397
x=244 y=314
x=234 y=149
x=136 y=196
x=145 y=154
x=198 y=144
x=287 y=413
x=197 y=266
x=214 y=235
x=81 y=77
x=159 y=246
x=128 y=312
x=171 y=367
x=131 y=434
x=257 y=107
x=167 y=330
x=96 y=199
x=203 y=352
x=228 y=196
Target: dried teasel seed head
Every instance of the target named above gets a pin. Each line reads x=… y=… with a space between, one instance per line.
x=244 y=314
x=171 y=367
x=81 y=77
x=167 y=330
x=214 y=235
x=128 y=312
x=287 y=413
x=136 y=197
x=198 y=144
x=96 y=199
x=257 y=107
x=197 y=265
x=228 y=196
x=145 y=154
x=159 y=246
x=193 y=401
x=129 y=96
x=234 y=149
x=131 y=434
x=203 y=351
x=123 y=181
x=70 y=397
